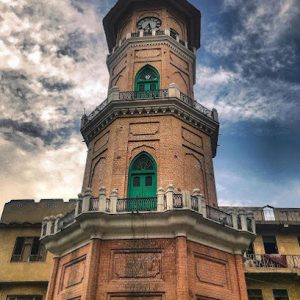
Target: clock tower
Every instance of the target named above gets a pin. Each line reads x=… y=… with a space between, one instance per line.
x=147 y=223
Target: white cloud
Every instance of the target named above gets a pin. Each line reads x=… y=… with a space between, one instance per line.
x=42 y=173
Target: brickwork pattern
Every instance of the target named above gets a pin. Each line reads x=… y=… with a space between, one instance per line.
x=149 y=269
x=183 y=155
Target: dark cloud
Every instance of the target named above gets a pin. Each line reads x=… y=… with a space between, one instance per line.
x=52 y=84
x=11 y=129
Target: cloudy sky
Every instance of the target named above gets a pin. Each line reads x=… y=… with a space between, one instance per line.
x=52 y=68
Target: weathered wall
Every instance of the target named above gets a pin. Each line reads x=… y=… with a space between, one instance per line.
x=183 y=155
x=16 y=273
x=21 y=271
x=269 y=282
x=287 y=243
x=22 y=289
x=152 y=269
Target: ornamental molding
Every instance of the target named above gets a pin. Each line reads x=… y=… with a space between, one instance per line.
x=171 y=106
x=115 y=57
x=170 y=224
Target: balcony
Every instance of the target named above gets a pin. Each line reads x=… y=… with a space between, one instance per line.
x=165 y=201
x=173 y=91
x=140 y=35
x=277 y=263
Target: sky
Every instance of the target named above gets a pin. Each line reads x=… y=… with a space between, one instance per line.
x=53 y=68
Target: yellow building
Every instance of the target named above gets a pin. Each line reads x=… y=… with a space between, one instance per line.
x=272 y=263
x=25 y=266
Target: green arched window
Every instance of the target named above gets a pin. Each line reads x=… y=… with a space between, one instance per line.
x=147 y=82
x=142 y=178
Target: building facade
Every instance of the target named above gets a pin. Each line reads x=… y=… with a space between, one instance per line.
x=147 y=224
x=25 y=266
x=272 y=263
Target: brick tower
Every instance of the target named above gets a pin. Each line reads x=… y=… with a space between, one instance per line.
x=147 y=226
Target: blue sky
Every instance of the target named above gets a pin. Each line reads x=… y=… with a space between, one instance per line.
x=52 y=67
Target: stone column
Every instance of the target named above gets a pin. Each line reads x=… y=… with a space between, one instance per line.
x=169 y=196
x=78 y=208
x=102 y=199
x=250 y=215
x=160 y=199
x=113 y=94
x=197 y=193
x=202 y=205
x=234 y=215
x=58 y=217
x=187 y=199
x=174 y=91
x=113 y=201
x=243 y=217
x=86 y=200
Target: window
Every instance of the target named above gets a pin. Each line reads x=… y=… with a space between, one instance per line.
x=28 y=249
x=270 y=244
x=173 y=33
x=255 y=294
x=280 y=295
x=147 y=83
x=25 y=297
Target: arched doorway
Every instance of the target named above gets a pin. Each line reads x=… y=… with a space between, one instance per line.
x=147 y=83
x=142 y=177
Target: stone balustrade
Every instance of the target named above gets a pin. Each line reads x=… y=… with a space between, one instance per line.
x=165 y=200
x=155 y=33
x=173 y=91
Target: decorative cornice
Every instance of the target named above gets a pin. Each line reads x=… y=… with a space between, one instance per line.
x=169 y=224
x=153 y=107
x=147 y=41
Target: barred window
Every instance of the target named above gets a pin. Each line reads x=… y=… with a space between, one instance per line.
x=28 y=249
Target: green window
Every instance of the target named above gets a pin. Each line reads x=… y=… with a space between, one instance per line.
x=142 y=182
x=147 y=83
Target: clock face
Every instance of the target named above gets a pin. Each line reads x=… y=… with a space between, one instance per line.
x=148 y=24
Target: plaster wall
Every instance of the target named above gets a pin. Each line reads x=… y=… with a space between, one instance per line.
x=287 y=243
x=21 y=271
x=268 y=282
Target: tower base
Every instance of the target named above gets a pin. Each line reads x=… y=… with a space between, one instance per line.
x=147 y=269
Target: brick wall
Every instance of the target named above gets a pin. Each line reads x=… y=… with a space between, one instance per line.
x=149 y=269
x=183 y=155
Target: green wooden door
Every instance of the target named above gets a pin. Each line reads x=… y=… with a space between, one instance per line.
x=147 y=83
x=142 y=183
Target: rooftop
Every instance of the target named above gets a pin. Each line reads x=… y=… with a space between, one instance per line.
x=29 y=211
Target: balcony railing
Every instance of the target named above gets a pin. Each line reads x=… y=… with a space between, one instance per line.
x=65 y=221
x=131 y=95
x=94 y=204
x=148 y=95
x=142 y=34
x=272 y=261
x=138 y=204
x=165 y=201
x=177 y=201
x=219 y=216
